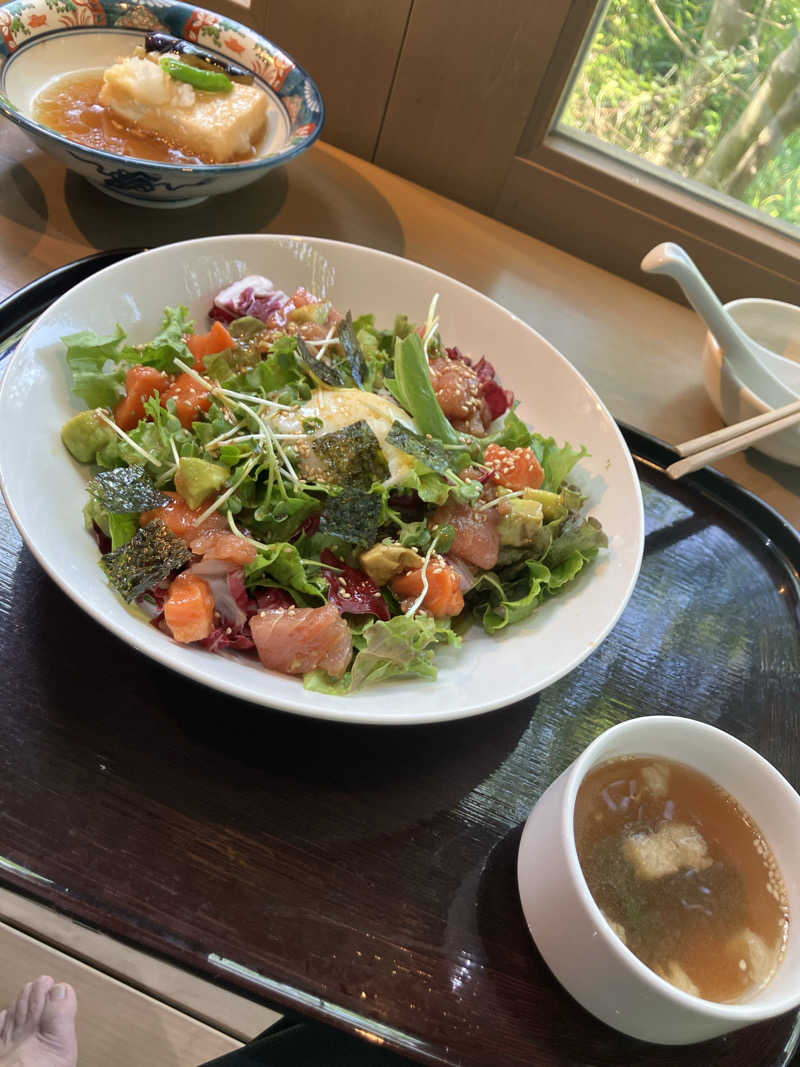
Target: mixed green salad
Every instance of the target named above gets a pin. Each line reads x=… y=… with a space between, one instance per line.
x=333 y=497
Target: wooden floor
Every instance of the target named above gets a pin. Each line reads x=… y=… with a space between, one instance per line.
x=133 y=1010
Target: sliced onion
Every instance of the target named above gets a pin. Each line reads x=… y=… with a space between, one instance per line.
x=467 y=575
x=215 y=572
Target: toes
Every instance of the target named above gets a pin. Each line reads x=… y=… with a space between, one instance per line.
x=57 y=1024
x=39 y=992
x=20 y=1009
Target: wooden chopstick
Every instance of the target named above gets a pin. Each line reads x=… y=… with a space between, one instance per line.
x=701 y=451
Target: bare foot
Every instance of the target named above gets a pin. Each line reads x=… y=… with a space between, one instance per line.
x=38 y=1030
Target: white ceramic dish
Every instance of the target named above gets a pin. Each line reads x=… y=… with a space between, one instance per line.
x=45 y=489
x=43 y=44
x=577 y=943
x=776 y=325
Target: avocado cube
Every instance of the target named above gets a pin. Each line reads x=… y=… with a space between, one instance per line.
x=198 y=479
x=85 y=435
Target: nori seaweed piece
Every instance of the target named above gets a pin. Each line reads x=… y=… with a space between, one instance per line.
x=352 y=349
x=146 y=561
x=426 y=449
x=319 y=371
x=352 y=456
x=125 y=490
x=352 y=515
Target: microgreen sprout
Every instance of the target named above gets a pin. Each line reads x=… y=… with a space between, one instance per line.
x=469 y=489
x=269 y=548
x=128 y=440
x=431 y=324
x=499 y=499
x=162 y=479
x=417 y=603
x=328 y=339
x=224 y=436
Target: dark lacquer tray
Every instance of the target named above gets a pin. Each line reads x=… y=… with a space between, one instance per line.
x=367 y=876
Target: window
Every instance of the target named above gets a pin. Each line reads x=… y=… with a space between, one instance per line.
x=711 y=92
x=677 y=120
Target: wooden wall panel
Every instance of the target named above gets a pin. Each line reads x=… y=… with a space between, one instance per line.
x=468 y=76
x=350 y=48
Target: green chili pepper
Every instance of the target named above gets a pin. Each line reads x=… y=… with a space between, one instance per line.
x=208 y=80
x=417 y=392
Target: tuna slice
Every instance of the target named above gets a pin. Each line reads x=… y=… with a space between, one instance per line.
x=297 y=640
x=477 y=538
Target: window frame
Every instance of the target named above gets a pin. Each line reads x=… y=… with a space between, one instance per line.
x=595 y=204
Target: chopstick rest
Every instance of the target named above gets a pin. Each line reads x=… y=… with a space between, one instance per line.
x=701 y=451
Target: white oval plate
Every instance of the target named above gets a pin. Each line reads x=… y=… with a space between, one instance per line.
x=44 y=488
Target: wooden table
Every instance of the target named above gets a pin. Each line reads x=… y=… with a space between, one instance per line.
x=365 y=876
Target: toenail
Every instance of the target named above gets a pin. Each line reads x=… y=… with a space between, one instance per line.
x=58 y=992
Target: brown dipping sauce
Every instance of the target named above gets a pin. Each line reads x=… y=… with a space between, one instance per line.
x=70 y=106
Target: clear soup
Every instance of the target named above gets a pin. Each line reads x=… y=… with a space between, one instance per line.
x=683 y=875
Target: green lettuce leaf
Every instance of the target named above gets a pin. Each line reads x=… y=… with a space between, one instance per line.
x=120 y=528
x=585 y=536
x=277 y=517
x=431 y=488
x=509 y=595
x=278 y=374
x=500 y=602
x=556 y=460
x=402 y=646
x=512 y=434
x=98 y=376
x=167 y=345
x=280 y=565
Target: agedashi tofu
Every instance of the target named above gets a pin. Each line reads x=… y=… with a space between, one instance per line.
x=219 y=127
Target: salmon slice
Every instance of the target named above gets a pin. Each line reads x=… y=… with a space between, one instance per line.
x=189 y=609
x=296 y=640
x=477 y=537
x=224 y=545
x=515 y=468
x=443 y=597
x=180 y=518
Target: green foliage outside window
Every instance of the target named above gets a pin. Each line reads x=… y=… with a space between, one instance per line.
x=708 y=88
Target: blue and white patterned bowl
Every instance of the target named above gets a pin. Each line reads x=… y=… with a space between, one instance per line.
x=41 y=40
